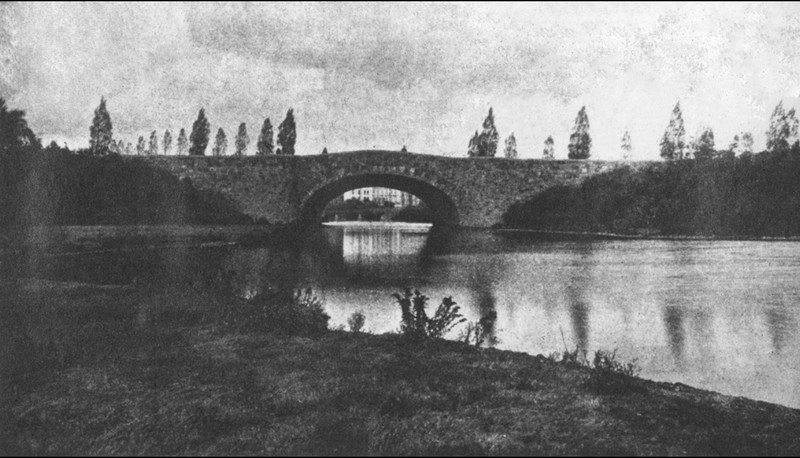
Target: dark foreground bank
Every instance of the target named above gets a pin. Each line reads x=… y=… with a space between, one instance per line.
x=117 y=370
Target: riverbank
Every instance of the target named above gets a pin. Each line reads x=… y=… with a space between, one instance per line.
x=121 y=370
x=566 y=235
x=747 y=197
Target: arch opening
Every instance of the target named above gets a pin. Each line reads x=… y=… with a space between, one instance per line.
x=442 y=207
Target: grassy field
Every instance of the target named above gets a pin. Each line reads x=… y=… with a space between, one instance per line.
x=117 y=370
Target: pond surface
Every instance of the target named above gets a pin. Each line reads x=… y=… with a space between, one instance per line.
x=719 y=315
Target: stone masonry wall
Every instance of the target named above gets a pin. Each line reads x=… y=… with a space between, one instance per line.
x=276 y=187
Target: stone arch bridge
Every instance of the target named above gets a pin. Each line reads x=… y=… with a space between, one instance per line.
x=471 y=192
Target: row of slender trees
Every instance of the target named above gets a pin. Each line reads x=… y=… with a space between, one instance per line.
x=101 y=140
x=484 y=144
x=782 y=136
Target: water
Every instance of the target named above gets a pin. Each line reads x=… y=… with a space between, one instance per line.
x=720 y=315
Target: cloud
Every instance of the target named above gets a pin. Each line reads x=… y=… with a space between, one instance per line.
x=376 y=74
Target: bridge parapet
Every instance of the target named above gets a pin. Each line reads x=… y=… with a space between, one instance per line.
x=473 y=192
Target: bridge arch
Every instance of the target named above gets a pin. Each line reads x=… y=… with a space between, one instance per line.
x=441 y=205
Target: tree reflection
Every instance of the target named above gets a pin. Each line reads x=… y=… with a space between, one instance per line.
x=673 y=321
x=781 y=326
x=576 y=292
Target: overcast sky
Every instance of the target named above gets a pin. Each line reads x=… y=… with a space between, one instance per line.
x=363 y=76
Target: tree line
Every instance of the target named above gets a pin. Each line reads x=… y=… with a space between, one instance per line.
x=782 y=136
x=101 y=141
x=484 y=144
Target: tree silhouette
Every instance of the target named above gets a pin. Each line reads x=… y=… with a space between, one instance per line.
x=265 y=143
x=220 y=143
x=153 y=150
x=183 y=143
x=511 y=146
x=167 y=142
x=324 y=150
x=14 y=130
x=473 y=148
x=580 y=142
x=549 y=149
x=746 y=143
x=783 y=129
x=140 y=146
x=242 y=140
x=704 y=148
x=201 y=129
x=626 y=146
x=287 y=135
x=487 y=140
x=672 y=143
x=100 y=132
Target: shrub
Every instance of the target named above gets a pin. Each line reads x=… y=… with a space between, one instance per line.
x=610 y=376
x=300 y=314
x=415 y=321
x=603 y=361
x=356 y=321
x=479 y=332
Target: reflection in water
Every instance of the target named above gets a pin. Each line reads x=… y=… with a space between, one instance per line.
x=780 y=325
x=673 y=320
x=483 y=296
x=579 y=316
x=701 y=313
x=579 y=282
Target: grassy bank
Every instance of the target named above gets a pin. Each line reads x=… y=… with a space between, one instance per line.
x=117 y=370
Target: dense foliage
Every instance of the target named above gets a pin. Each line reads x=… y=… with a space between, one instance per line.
x=753 y=195
x=56 y=187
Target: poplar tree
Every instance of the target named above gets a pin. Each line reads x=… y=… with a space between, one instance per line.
x=265 y=143
x=783 y=129
x=242 y=140
x=672 y=143
x=167 y=145
x=201 y=129
x=140 y=146
x=549 y=149
x=487 y=140
x=580 y=142
x=183 y=143
x=287 y=135
x=220 y=143
x=626 y=146
x=100 y=132
x=153 y=144
x=511 y=146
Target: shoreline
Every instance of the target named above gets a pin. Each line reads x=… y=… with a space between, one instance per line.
x=168 y=377
x=617 y=236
